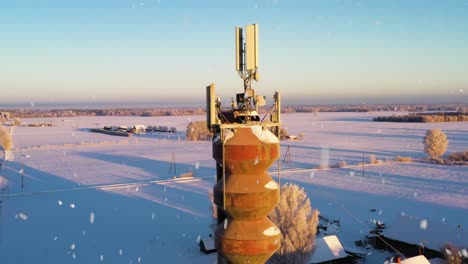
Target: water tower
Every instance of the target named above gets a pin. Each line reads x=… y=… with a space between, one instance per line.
x=245 y=145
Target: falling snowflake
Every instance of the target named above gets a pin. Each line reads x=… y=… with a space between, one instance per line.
x=120 y=252
x=137 y=188
x=139 y=259
x=423 y=224
x=324 y=157
x=101 y=257
x=72 y=205
x=152 y=216
x=55 y=238
x=91 y=217
x=198 y=238
x=72 y=246
x=312 y=174
x=23 y=216
x=197 y=165
x=352 y=173
x=225 y=223
x=59 y=202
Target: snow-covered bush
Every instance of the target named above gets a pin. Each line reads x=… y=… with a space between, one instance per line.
x=197 y=130
x=16 y=122
x=298 y=224
x=283 y=133
x=435 y=143
x=451 y=254
x=343 y=164
x=6 y=143
x=404 y=159
x=459 y=156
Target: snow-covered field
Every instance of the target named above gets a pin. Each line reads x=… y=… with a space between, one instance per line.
x=69 y=209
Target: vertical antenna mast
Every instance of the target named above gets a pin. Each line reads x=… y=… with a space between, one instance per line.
x=247 y=54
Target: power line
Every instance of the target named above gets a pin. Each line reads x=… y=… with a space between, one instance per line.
x=103 y=186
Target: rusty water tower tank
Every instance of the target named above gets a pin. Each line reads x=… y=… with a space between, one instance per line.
x=250 y=194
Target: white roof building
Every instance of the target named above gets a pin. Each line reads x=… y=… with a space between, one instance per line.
x=327 y=248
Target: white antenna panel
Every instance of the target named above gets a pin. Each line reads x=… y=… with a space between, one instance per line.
x=252 y=46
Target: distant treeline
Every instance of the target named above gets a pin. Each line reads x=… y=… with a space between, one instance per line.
x=425 y=118
x=105 y=112
x=188 y=110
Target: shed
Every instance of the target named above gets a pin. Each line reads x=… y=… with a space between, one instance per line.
x=5 y=115
x=421 y=259
x=207 y=245
x=328 y=250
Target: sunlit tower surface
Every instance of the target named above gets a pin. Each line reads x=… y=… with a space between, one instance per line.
x=244 y=147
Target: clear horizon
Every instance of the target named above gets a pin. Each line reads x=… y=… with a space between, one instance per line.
x=314 y=52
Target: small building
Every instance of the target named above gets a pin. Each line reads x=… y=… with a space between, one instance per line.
x=329 y=250
x=5 y=115
x=207 y=245
x=138 y=129
x=421 y=259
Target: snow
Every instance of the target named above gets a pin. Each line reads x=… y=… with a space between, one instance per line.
x=99 y=174
x=272 y=185
x=272 y=231
x=327 y=248
x=209 y=243
x=416 y=260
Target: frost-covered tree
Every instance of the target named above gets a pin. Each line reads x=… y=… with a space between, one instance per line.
x=435 y=143
x=197 y=130
x=6 y=143
x=451 y=254
x=16 y=122
x=298 y=224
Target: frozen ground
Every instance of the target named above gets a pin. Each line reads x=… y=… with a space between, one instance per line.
x=66 y=211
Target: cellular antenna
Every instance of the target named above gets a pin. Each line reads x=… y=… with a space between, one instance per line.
x=247 y=54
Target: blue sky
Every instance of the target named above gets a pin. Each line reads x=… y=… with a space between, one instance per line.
x=167 y=51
